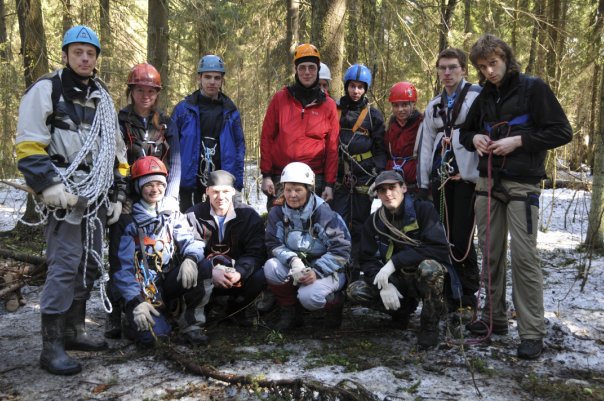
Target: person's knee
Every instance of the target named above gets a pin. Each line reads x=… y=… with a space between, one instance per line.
x=431 y=276
x=272 y=272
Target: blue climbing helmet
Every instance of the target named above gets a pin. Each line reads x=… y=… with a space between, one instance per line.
x=211 y=63
x=81 y=34
x=358 y=72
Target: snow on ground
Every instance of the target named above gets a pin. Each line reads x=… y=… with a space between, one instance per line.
x=575 y=325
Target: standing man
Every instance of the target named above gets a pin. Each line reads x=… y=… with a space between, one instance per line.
x=511 y=125
x=69 y=143
x=404 y=254
x=301 y=124
x=450 y=169
x=234 y=246
x=210 y=131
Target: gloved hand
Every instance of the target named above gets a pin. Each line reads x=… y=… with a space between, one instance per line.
x=268 y=187
x=423 y=194
x=55 y=196
x=142 y=316
x=390 y=297
x=298 y=272
x=188 y=273
x=381 y=279
x=168 y=205
x=327 y=194
x=114 y=213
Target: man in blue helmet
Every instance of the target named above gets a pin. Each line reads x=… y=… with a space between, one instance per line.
x=210 y=132
x=69 y=143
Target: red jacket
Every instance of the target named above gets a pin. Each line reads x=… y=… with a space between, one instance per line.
x=400 y=144
x=292 y=133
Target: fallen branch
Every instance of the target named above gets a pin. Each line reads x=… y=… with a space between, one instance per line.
x=22 y=257
x=298 y=389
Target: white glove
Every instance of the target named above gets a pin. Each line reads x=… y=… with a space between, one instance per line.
x=168 y=205
x=114 y=212
x=327 y=194
x=55 y=196
x=390 y=296
x=268 y=188
x=381 y=279
x=142 y=316
x=188 y=274
x=298 y=272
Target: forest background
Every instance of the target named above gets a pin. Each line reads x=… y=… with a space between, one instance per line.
x=557 y=40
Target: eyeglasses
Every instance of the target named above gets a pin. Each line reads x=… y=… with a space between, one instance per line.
x=444 y=68
x=309 y=68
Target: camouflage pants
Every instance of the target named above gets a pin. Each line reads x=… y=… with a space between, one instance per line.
x=425 y=281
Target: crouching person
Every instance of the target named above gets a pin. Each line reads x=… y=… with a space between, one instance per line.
x=149 y=278
x=310 y=246
x=404 y=254
x=234 y=236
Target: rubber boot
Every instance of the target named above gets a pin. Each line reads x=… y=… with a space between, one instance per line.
x=290 y=315
x=200 y=314
x=53 y=357
x=334 y=310
x=76 y=336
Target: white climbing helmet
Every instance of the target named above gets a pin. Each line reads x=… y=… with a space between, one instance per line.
x=298 y=173
x=324 y=72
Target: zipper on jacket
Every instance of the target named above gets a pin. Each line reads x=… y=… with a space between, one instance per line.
x=303 y=112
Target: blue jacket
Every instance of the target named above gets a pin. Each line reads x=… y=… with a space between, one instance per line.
x=232 y=143
x=174 y=230
x=325 y=245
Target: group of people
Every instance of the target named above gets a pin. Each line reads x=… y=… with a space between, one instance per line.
x=179 y=236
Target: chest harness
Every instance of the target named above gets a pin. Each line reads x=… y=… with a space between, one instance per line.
x=149 y=260
x=147 y=142
x=349 y=179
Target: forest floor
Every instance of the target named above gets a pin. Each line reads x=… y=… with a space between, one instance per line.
x=363 y=360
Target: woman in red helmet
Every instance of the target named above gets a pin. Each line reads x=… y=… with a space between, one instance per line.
x=147 y=278
x=400 y=138
x=147 y=132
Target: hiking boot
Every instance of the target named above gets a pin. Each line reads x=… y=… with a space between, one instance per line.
x=266 y=302
x=401 y=317
x=334 y=310
x=530 y=349
x=481 y=328
x=290 y=317
x=239 y=314
x=427 y=337
x=194 y=336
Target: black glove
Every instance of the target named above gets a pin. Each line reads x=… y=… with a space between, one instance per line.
x=423 y=194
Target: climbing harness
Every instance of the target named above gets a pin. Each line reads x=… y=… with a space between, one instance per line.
x=206 y=166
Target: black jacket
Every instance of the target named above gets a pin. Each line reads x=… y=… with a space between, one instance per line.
x=243 y=235
x=546 y=127
x=418 y=220
x=368 y=138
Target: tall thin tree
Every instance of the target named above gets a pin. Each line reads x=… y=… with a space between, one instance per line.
x=33 y=39
x=158 y=42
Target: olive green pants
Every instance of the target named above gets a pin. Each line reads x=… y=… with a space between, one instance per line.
x=514 y=209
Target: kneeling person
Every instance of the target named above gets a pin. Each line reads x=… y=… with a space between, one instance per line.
x=149 y=278
x=310 y=246
x=233 y=234
x=404 y=254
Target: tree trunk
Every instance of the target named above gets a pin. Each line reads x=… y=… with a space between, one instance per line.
x=5 y=53
x=158 y=43
x=551 y=43
x=446 y=12
x=33 y=40
x=595 y=230
x=293 y=37
x=67 y=22
x=537 y=13
x=330 y=16
x=106 y=40
x=467 y=24
x=352 y=40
